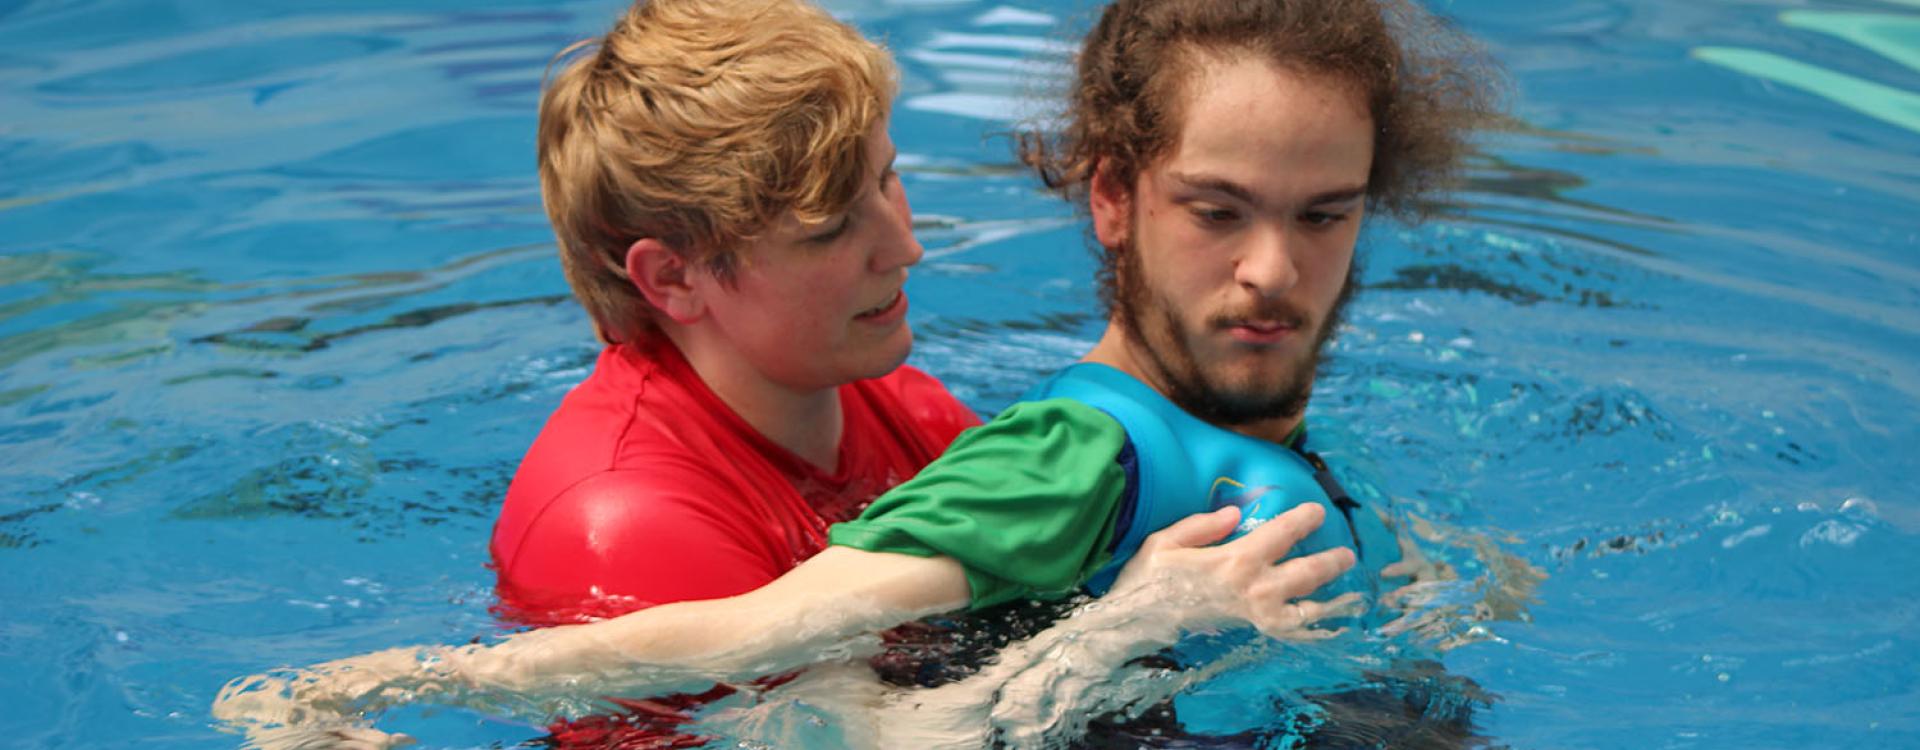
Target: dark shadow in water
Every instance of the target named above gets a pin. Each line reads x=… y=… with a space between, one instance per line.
x=1066 y=323
x=140 y=306
x=1543 y=193
x=14 y=533
x=286 y=334
x=1457 y=278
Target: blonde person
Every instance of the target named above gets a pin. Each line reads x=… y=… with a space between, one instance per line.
x=720 y=179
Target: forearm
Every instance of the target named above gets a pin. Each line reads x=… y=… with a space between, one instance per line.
x=804 y=617
x=682 y=646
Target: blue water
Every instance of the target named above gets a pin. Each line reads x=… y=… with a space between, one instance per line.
x=279 y=313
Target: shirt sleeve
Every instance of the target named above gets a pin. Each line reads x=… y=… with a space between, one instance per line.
x=624 y=540
x=1026 y=503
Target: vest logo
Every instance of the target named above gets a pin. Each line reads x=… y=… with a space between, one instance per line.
x=1258 y=504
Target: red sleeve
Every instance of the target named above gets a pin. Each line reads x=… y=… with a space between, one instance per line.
x=624 y=540
x=939 y=415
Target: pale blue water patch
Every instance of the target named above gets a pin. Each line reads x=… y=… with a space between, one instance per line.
x=1895 y=36
x=279 y=313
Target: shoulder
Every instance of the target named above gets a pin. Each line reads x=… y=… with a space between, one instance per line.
x=1055 y=420
x=606 y=510
x=1031 y=445
x=914 y=396
x=1027 y=502
x=660 y=533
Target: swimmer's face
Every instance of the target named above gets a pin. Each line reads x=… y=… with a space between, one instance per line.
x=1235 y=248
x=818 y=306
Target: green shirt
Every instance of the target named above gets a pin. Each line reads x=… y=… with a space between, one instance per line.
x=1026 y=503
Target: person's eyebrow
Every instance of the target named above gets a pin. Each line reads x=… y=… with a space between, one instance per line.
x=1240 y=192
x=1213 y=184
x=1343 y=195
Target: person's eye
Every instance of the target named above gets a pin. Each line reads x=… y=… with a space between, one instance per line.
x=1211 y=216
x=1322 y=218
x=832 y=233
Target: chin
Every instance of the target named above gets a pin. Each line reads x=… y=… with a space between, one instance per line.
x=887 y=356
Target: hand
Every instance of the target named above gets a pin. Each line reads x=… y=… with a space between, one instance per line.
x=1238 y=581
x=308 y=711
x=324 y=737
x=1046 y=687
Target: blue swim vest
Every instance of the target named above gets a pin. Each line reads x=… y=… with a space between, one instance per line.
x=1186 y=466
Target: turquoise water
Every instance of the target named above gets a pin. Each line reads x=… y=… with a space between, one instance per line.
x=279 y=313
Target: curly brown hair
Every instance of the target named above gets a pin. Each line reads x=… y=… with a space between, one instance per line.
x=1426 y=84
x=698 y=123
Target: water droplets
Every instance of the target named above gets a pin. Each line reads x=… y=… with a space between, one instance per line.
x=1832 y=532
x=1752 y=533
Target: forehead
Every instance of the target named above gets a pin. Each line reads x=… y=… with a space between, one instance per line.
x=787 y=227
x=1270 y=129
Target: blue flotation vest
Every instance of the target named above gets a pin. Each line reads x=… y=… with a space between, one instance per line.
x=1186 y=466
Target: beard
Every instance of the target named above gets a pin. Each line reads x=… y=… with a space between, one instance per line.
x=1149 y=320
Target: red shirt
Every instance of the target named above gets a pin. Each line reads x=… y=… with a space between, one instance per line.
x=645 y=488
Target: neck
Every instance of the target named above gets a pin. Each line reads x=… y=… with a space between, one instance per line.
x=806 y=421
x=1122 y=352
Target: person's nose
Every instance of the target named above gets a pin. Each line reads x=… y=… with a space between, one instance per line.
x=1266 y=267
x=897 y=247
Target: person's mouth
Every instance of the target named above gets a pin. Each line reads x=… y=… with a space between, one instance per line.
x=1262 y=331
x=893 y=304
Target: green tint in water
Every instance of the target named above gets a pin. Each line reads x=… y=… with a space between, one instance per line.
x=1895 y=36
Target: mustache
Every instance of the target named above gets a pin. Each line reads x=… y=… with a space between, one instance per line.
x=1277 y=311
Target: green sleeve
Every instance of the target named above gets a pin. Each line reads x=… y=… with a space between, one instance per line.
x=1026 y=503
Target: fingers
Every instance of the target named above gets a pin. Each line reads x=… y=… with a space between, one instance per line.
x=358 y=738
x=1295 y=620
x=1309 y=634
x=1399 y=568
x=1199 y=529
x=1345 y=605
x=1273 y=539
x=1303 y=575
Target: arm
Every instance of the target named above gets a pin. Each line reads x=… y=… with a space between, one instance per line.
x=789 y=622
x=624 y=540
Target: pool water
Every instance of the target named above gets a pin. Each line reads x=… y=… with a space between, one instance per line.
x=279 y=313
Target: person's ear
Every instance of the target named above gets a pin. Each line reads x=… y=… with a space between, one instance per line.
x=1111 y=203
x=665 y=278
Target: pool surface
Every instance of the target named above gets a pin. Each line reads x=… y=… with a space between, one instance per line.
x=279 y=312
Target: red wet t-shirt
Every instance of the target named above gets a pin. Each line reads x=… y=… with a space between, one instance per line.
x=644 y=488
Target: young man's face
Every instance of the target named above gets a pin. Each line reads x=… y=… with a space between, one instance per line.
x=820 y=306
x=1236 y=246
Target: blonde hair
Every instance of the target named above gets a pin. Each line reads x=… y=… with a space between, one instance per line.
x=699 y=123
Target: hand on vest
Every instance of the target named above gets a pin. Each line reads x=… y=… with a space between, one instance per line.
x=1208 y=585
